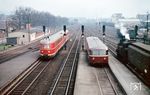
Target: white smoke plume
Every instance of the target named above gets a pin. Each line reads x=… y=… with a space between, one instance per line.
x=124 y=32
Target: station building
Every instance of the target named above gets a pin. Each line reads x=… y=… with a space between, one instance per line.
x=24 y=36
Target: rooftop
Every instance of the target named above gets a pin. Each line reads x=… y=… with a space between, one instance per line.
x=53 y=38
x=95 y=43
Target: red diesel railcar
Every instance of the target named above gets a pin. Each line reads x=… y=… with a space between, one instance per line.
x=97 y=51
x=52 y=44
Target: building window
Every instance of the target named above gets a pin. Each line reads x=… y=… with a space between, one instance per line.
x=23 y=36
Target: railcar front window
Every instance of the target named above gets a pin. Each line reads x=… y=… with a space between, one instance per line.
x=99 y=52
x=46 y=46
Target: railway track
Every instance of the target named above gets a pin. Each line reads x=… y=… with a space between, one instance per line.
x=32 y=75
x=7 y=88
x=22 y=84
x=64 y=82
x=108 y=85
x=47 y=79
x=106 y=82
x=111 y=44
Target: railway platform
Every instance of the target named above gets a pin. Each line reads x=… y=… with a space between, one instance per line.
x=10 y=69
x=86 y=82
x=129 y=82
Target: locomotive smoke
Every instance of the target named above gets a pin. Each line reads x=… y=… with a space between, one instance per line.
x=124 y=32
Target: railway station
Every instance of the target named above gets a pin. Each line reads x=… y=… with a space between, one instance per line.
x=46 y=50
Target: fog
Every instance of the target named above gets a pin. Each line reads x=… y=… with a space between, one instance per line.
x=80 y=8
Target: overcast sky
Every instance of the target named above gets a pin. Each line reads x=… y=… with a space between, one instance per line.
x=80 y=8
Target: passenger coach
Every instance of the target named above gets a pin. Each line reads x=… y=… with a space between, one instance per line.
x=97 y=51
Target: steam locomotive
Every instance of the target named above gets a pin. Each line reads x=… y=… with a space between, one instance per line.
x=135 y=55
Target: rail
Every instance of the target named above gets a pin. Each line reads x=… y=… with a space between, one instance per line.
x=26 y=79
x=15 y=80
x=104 y=82
x=70 y=60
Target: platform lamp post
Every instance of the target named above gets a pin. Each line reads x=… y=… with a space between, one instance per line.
x=99 y=26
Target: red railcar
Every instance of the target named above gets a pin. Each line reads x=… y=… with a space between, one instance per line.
x=97 y=51
x=51 y=45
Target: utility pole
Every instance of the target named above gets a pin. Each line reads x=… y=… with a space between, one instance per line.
x=146 y=32
x=28 y=25
x=6 y=29
x=100 y=26
x=147 y=23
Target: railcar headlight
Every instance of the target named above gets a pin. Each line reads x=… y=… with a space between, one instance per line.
x=93 y=58
x=42 y=51
x=48 y=51
x=104 y=58
x=145 y=70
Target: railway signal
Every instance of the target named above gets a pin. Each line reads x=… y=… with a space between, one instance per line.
x=147 y=22
x=82 y=35
x=136 y=30
x=64 y=28
x=103 y=33
x=44 y=28
x=82 y=29
x=103 y=30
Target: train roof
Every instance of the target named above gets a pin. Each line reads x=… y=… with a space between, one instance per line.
x=52 y=38
x=142 y=46
x=95 y=43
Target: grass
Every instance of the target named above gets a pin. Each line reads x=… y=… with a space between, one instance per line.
x=4 y=47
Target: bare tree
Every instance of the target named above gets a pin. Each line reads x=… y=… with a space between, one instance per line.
x=25 y=15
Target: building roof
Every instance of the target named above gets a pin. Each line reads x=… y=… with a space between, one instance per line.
x=129 y=20
x=32 y=30
x=95 y=43
x=27 y=31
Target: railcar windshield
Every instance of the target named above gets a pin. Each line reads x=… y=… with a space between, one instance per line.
x=45 y=46
x=99 y=52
